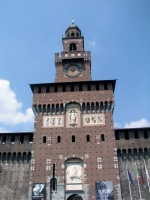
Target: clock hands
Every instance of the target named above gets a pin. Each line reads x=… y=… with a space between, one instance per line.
x=73 y=69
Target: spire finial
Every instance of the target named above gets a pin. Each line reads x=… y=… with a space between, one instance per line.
x=72 y=21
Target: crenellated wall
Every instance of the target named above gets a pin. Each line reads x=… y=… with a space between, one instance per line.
x=15 y=156
x=133 y=147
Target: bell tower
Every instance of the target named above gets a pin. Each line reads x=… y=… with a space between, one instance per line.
x=73 y=63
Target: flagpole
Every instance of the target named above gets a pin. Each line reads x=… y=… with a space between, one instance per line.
x=129 y=183
x=146 y=174
x=138 y=184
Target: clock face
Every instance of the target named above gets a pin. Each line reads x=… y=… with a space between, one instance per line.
x=73 y=70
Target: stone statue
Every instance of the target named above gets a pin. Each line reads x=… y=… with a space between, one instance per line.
x=72 y=117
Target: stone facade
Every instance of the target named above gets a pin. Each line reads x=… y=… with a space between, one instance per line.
x=74 y=153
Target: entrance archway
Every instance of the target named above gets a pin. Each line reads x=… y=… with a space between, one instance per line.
x=75 y=197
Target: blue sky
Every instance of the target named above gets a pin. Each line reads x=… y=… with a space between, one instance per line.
x=116 y=32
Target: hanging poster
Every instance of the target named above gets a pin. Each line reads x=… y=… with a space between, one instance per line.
x=39 y=191
x=104 y=190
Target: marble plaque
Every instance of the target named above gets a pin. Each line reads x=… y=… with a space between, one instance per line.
x=53 y=121
x=73 y=115
x=74 y=187
x=74 y=176
x=74 y=173
x=93 y=119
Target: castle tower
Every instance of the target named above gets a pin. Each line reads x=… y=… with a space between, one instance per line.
x=74 y=153
x=74 y=63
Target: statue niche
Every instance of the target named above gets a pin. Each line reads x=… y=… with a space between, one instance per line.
x=72 y=115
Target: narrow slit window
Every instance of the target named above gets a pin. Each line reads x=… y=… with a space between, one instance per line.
x=44 y=139
x=12 y=139
x=73 y=138
x=21 y=139
x=116 y=135
x=145 y=135
x=88 y=138
x=4 y=139
x=31 y=138
x=58 y=139
x=102 y=137
x=126 y=135
x=136 y=135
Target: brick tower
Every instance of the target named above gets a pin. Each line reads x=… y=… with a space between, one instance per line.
x=74 y=153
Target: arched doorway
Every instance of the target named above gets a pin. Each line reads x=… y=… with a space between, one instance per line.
x=75 y=197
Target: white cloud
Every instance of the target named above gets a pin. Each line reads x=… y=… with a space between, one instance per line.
x=3 y=130
x=117 y=125
x=10 y=107
x=92 y=43
x=136 y=124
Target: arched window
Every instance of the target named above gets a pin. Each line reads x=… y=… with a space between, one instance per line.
x=44 y=108
x=102 y=137
x=124 y=151
x=97 y=106
x=29 y=156
x=88 y=138
x=48 y=108
x=57 y=108
x=134 y=150
x=83 y=107
x=61 y=107
x=58 y=139
x=9 y=156
x=140 y=150
x=19 y=156
x=73 y=138
x=24 y=156
x=88 y=106
x=44 y=139
x=73 y=47
x=92 y=106
x=118 y=152
x=53 y=108
x=129 y=151
x=72 y=34
x=145 y=150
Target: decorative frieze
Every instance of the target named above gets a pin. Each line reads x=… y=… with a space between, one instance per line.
x=53 y=121
x=93 y=119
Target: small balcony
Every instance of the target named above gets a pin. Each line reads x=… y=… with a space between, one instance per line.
x=73 y=54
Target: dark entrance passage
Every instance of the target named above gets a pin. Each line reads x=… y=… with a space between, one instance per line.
x=74 y=197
